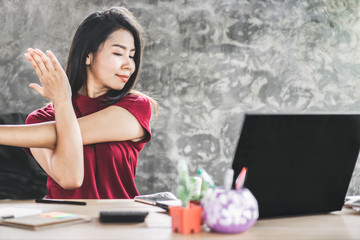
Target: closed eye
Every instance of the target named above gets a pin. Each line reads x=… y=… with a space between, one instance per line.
x=119 y=54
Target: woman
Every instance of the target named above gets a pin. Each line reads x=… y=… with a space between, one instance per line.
x=88 y=139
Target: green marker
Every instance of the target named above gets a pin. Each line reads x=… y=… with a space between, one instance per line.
x=205 y=176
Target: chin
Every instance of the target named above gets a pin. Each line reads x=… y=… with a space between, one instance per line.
x=118 y=88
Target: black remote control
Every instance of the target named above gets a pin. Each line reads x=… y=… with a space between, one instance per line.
x=122 y=216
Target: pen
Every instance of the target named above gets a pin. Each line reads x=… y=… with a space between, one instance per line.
x=59 y=201
x=241 y=178
x=205 y=176
x=229 y=175
x=162 y=205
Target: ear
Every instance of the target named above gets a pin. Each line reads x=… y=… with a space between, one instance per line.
x=89 y=59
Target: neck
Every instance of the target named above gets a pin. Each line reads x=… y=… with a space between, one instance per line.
x=91 y=92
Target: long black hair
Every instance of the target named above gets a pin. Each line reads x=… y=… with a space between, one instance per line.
x=91 y=33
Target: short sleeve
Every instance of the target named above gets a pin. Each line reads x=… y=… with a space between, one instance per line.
x=140 y=107
x=45 y=114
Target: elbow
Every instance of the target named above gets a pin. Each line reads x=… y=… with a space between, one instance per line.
x=71 y=183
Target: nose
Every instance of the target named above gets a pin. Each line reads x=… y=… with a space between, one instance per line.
x=128 y=63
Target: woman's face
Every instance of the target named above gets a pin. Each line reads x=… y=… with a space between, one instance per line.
x=112 y=65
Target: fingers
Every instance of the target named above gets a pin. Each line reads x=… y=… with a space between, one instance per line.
x=54 y=60
x=39 y=63
x=44 y=69
x=30 y=58
x=45 y=60
x=43 y=63
x=37 y=88
x=54 y=83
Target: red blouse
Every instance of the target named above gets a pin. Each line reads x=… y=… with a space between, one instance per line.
x=110 y=167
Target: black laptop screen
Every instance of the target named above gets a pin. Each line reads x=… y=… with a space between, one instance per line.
x=298 y=163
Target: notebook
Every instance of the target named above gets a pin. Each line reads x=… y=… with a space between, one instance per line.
x=298 y=163
x=45 y=220
x=14 y=212
x=155 y=197
x=161 y=199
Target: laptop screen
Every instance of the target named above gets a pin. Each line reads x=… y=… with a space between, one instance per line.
x=298 y=163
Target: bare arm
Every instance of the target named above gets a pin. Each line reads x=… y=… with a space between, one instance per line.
x=95 y=128
x=107 y=125
x=40 y=135
x=65 y=162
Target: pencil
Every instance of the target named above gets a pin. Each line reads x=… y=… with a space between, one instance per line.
x=241 y=178
x=60 y=201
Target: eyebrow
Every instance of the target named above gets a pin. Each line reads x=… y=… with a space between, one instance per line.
x=123 y=47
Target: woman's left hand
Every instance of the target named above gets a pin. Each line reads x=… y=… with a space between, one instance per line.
x=54 y=82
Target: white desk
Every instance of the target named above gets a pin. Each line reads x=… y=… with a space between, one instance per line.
x=337 y=225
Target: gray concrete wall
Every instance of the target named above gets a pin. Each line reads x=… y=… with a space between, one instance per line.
x=207 y=62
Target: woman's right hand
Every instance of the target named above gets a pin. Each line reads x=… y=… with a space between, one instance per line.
x=54 y=82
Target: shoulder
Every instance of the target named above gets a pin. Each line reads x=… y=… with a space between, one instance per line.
x=135 y=103
x=135 y=98
x=44 y=114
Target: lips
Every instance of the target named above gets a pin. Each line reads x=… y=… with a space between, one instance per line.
x=124 y=78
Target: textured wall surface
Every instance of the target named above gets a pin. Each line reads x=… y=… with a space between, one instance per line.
x=206 y=62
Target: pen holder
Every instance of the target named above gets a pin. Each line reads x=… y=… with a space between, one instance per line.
x=232 y=211
x=186 y=219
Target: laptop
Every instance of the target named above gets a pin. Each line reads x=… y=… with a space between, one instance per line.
x=298 y=164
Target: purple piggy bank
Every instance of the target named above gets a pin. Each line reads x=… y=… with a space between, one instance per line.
x=230 y=211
